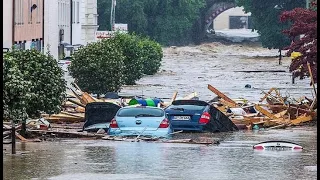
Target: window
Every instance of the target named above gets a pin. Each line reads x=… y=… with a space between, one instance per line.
x=21 y=19
x=62 y=13
x=138 y=111
x=59 y=10
x=16 y=10
x=73 y=12
x=29 y=12
x=18 y=14
x=78 y=11
x=38 y=12
x=187 y=107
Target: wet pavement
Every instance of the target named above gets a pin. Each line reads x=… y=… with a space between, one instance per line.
x=185 y=69
x=233 y=158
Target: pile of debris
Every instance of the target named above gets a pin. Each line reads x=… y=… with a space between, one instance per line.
x=272 y=111
x=73 y=109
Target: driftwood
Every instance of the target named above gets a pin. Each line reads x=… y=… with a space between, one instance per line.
x=76 y=102
x=64 y=133
x=223 y=96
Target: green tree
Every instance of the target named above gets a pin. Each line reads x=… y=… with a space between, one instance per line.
x=265 y=19
x=132 y=51
x=98 y=67
x=166 y=21
x=16 y=90
x=151 y=55
x=104 y=10
x=33 y=83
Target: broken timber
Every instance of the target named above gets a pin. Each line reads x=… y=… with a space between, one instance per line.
x=223 y=96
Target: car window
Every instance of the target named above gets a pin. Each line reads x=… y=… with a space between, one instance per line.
x=142 y=112
x=187 y=107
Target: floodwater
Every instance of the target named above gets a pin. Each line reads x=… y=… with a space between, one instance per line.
x=185 y=69
x=192 y=68
x=233 y=158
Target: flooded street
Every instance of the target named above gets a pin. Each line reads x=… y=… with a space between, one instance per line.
x=233 y=158
x=185 y=69
x=188 y=69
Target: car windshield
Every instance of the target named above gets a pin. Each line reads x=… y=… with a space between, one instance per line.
x=186 y=107
x=140 y=112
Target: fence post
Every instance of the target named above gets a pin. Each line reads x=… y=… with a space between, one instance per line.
x=13 y=138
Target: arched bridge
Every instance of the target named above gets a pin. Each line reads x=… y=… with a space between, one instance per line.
x=213 y=9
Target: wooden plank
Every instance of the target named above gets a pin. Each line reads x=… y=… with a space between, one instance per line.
x=80 y=134
x=21 y=137
x=77 y=103
x=74 y=115
x=266 y=94
x=87 y=98
x=76 y=86
x=227 y=103
x=190 y=96
x=221 y=95
x=280 y=114
x=264 y=112
x=78 y=97
x=278 y=126
x=312 y=81
x=80 y=109
x=174 y=96
x=313 y=104
x=301 y=119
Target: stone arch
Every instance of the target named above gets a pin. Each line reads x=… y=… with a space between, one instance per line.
x=215 y=10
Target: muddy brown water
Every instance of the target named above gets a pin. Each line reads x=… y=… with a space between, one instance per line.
x=233 y=158
x=185 y=69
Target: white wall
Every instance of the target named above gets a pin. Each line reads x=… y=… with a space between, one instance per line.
x=90 y=21
x=51 y=30
x=77 y=21
x=64 y=19
x=7 y=23
x=222 y=21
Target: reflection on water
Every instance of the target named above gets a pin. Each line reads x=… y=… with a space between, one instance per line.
x=233 y=158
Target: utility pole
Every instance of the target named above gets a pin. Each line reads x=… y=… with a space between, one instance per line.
x=113 y=14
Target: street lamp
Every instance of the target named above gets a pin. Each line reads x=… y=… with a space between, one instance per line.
x=112 y=14
x=279 y=7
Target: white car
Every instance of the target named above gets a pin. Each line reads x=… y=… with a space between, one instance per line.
x=64 y=63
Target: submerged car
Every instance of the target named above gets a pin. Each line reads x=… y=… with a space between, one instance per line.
x=98 y=115
x=199 y=116
x=140 y=121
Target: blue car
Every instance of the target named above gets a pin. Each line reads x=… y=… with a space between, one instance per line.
x=198 y=116
x=140 y=121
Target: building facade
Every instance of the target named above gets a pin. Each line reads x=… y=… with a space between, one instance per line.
x=7 y=23
x=234 y=18
x=51 y=28
x=77 y=17
x=90 y=21
x=28 y=24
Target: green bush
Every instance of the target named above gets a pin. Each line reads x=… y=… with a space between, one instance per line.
x=132 y=51
x=98 y=67
x=33 y=82
x=151 y=55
